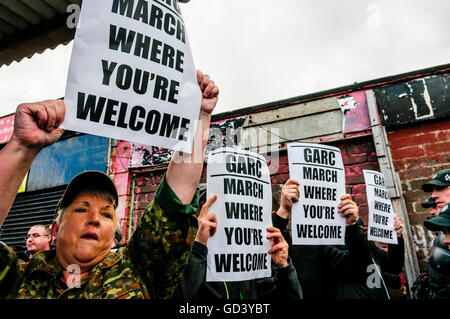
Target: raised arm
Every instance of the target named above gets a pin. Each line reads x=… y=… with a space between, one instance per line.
x=184 y=171
x=35 y=127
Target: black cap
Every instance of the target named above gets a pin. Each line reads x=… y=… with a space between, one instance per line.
x=441 y=178
x=441 y=221
x=431 y=202
x=87 y=180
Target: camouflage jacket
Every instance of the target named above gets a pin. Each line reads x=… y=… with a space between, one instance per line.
x=149 y=266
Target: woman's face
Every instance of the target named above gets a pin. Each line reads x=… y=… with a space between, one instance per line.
x=86 y=231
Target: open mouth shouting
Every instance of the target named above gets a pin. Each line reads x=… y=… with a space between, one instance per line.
x=90 y=236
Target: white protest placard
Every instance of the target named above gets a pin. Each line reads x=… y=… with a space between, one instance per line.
x=320 y=171
x=238 y=249
x=381 y=213
x=132 y=76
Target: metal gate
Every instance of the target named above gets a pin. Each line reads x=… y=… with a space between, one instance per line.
x=29 y=209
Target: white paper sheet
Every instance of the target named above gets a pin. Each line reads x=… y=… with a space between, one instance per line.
x=381 y=213
x=132 y=76
x=320 y=171
x=238 y=249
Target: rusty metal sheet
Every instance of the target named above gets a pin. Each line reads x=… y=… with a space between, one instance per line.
x=306 y=127
x=293 y=111
x=414 y=101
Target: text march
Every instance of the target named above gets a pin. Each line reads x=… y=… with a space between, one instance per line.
x=132 y=75
x=238 y=249
x=381 y=214
x=320 y=171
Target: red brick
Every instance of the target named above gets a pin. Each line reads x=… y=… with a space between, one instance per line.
x=354 y=179
x=404 y=140
x=359 y=149
x=418 y=173
x=414 y=162
x=284 y=178
x=275 y=179
x=343 y=149
x=363 y=212
x=443 y=135
x=436 y=159
x=283 y=169
x=358 y=168
x=431 y=149
x=409 y=206
x=359 y=199
x=399 y=164
x=354 y=159
x=405 y=187
x=408 y=152
x=426 y=127
x=348 y=189
x=148 y=188
x=359 y=189
x=372 y=157
x=413 y=195
x=364 y=217
x=417 y=218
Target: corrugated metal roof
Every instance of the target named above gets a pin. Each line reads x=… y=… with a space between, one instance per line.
x=32 y=26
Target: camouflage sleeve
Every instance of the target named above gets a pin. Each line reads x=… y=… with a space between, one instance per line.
x=8 y=270
x=161 y=244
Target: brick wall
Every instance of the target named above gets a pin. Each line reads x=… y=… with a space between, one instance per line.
x=357 y=154
x=118 y=170
x=145 y=185
x=418 y=152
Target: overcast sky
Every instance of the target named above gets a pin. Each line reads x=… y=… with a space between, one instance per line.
x=259 y=51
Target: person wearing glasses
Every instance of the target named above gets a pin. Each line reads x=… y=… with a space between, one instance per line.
x=82 y=265
x=38 y=239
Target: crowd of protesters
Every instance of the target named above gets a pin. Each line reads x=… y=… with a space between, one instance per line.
x=166 y=255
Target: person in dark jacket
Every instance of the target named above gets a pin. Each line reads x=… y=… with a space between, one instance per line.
x=283 y=284
x=82 y=265
x=382 y=274
x=434 y=282
x=320 y=267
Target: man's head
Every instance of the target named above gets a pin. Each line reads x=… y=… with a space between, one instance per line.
x=431 y=203
x=38 y=239
x=441 y=222
x=439 y=186
x=86 y=221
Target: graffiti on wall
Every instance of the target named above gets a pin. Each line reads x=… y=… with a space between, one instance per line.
x=221 y=133
x=225 y=133
x=145 y=155
x=356 y=114
x=6 y=128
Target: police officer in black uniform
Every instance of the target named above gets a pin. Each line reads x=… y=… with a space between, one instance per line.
x=434 y=283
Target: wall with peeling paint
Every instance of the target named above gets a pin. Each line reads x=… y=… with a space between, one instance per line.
x=410 y=102
x=419 y=150
x=412 y=107
x=347 y=113
x=119 y=164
